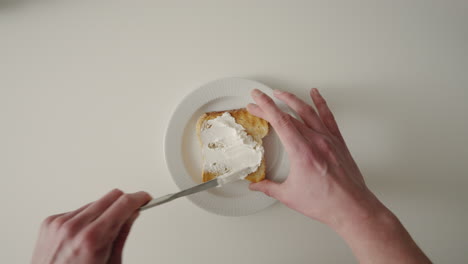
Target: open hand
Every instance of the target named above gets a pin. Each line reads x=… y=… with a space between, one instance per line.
x=324 y=182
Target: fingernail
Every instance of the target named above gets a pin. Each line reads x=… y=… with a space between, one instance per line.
x=116 y=191
x=143 y=193
x=277 y=92
x=252 y=105
x=148 y=195
x=256 y=92
x=315 y=91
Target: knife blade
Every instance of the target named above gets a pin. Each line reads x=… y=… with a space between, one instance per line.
x=220 y=181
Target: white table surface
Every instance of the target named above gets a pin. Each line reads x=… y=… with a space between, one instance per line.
x=87 y=89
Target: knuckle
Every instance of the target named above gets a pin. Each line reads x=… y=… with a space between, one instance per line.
x=312 y=159
x=335 y=132
x=304 y=110
x=306 y=158
x=68 y=229
x=324 y=144
x=284 y=120
x=89 y=240
x=329 y=121
x=126 y=199
x=77 y=250
x=330 y=116
x=58 y=222
x=321 y=166
x=48 y=220
x=322 y=105
x=266 y=99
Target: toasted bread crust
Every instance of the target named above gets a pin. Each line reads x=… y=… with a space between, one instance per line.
x=254 y=126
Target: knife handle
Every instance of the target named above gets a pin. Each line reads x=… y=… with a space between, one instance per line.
x=167 y=198
x=158 y=201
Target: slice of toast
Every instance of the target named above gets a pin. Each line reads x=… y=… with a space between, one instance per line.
x=254 y=126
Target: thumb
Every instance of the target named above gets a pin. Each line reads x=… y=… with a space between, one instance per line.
x=116 y=255
x=267 y=187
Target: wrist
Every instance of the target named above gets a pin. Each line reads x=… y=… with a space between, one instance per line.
x=375 y=235
x=381 y=219
x=361 y=215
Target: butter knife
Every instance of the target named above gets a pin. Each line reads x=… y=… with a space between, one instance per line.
x=220 y=181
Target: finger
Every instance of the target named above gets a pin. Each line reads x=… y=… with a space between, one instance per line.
x=280 y=121
x=305 y=131
x=267 y=187
x=325 y=114
x=305 y=111
x=256 y=110
x=67 y=216
x=119 y=243
x=95 y=209
x=52 y=219
x=77 y=211
x=119 y=212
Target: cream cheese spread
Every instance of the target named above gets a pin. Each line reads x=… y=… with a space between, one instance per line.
x=227 y=148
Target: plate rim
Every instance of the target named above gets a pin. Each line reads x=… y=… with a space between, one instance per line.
x=170 y=124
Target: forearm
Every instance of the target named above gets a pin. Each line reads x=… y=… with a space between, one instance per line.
x=380 y=238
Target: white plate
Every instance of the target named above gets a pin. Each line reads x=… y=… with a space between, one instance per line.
x=183 y=153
